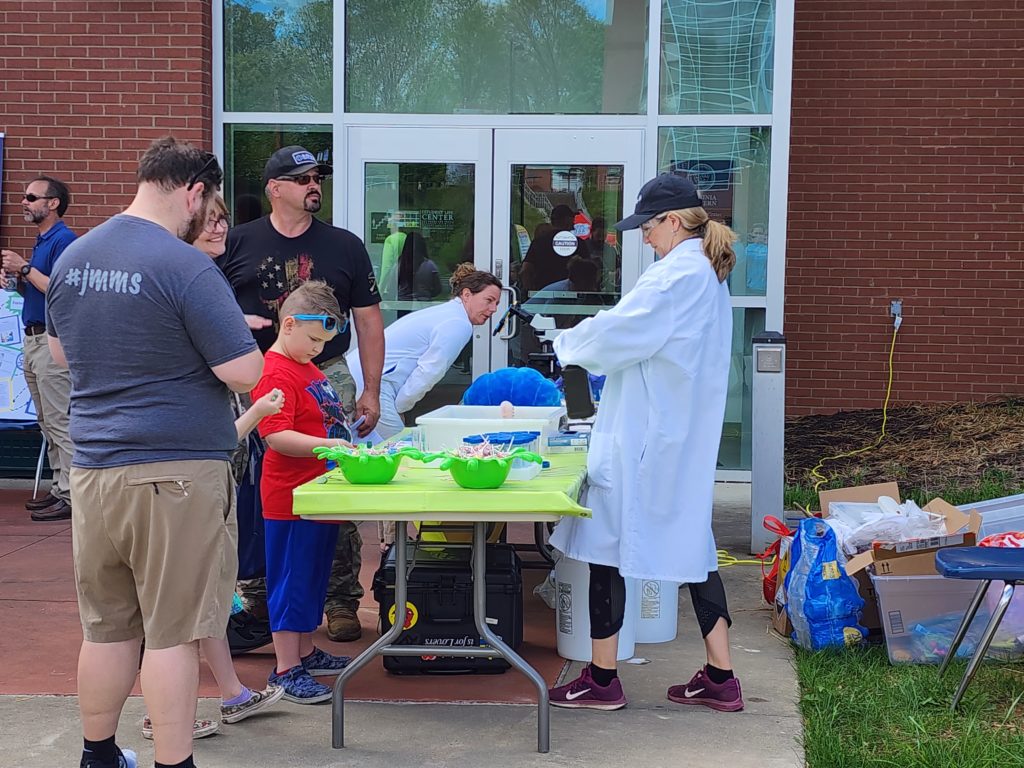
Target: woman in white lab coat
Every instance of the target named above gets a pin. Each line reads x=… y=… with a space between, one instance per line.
x=665 y=348
x=421 y=346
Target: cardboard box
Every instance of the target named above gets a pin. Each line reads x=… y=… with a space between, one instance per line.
x=780 y=620
x=917 y=557
x=911 y=558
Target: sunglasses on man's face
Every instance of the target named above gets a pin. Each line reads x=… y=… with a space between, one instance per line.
x=330 y=322
x=33 y=198
x=304 y=179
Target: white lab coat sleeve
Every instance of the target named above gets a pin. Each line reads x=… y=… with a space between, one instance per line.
x=446 y=341
x=628 y=333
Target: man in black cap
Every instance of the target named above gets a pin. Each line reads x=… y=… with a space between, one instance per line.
x=265 y=261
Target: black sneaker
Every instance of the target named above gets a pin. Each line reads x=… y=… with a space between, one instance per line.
x=247 y=633
x=126 y=759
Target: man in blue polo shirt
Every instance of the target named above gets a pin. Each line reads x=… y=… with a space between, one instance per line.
x=44 y=203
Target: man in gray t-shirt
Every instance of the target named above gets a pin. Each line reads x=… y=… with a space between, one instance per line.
x=154 y=341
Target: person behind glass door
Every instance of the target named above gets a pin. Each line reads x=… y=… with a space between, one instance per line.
x=665 y=348
x=418 y=278
x=420 y=347
x=609 y=256
x=543 y=265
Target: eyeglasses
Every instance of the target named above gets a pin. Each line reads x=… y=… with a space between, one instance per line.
x=330 y=322
x=216 y=222
x=33 y=198
x=648 y=226
x=211 y=162
x=304 y=179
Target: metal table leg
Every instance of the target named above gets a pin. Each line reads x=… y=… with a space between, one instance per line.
x=401 y=588
x=488 y=637
x=495 y=646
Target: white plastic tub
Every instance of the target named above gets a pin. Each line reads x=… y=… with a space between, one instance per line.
x=445 y=427
x=658 y=606
x=572 y=616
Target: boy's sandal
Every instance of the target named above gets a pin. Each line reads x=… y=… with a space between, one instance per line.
x=200 y=728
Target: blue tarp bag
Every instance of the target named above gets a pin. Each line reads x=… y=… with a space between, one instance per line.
x=519 y=386
x=822 y=600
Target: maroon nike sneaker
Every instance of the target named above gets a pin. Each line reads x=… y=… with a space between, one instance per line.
x=584 y=693
x=725 y=697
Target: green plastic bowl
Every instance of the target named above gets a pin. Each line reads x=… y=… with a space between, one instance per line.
x=369 y=470
x=480 y=474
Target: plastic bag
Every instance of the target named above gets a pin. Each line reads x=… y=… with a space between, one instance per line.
x=778 y=554
x=859 y=525
x=1012 y=539
x=822 y=600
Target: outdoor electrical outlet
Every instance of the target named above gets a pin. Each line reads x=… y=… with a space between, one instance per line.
x=896 y=308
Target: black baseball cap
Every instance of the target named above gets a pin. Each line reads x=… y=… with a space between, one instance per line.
x=667 y=192
x=293 y=161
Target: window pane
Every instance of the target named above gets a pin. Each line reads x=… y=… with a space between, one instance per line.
x=418 y=229
x=496 y=56
x=278 y=55
x=246 y=151
x=730 y=166
x=566 y=261
x=716 y=57
x=734 y=452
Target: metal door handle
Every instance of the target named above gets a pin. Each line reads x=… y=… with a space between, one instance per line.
x=511 y=322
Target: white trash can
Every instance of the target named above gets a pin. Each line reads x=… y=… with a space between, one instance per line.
x=658 y=611
x=572 y=617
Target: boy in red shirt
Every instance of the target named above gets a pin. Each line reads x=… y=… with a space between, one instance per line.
x=299 y=552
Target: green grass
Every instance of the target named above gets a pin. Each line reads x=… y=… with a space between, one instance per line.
x=861 y=711
x=993 y=484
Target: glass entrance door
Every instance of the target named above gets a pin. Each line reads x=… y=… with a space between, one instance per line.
x=557 y=195
x=534 y=207
x=420 y=198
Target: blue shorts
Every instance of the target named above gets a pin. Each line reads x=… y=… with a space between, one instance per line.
x=299 y=557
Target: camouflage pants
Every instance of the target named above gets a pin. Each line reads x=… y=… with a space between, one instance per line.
x=343 y=589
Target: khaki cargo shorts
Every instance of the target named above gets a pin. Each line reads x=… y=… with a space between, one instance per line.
x=155 y=550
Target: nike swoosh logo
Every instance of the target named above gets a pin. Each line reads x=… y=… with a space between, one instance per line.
x=690 y=694
x=573 y=696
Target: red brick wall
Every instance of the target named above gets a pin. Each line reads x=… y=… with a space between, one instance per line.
x=905 y=182
x=88 y=84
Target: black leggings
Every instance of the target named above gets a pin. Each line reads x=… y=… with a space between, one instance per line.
x=608 y=602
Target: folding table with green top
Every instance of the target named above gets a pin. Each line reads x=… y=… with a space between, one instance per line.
x=420 y=493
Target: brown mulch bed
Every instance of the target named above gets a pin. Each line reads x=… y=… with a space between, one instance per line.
x=925 y=445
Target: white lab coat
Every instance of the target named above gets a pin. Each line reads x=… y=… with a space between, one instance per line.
x=419 y=348
x=665 y=348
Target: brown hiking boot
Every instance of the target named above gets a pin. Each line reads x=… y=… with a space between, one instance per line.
x=343 y=625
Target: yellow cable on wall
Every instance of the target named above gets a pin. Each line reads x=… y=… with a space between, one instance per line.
x=885 y=418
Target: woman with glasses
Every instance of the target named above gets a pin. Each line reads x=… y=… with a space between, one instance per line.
x=665 y=348
x=237 y=701
x=420 y=347
x=212 y=241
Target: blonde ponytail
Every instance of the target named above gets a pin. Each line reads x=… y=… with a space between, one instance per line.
x=718 y=239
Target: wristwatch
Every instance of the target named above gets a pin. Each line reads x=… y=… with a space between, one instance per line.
x=25 y=270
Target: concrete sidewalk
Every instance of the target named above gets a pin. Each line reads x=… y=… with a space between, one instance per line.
x=43 y=731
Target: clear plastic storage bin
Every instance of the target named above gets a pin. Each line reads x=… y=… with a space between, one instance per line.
x=445 y=427
x=920 y=615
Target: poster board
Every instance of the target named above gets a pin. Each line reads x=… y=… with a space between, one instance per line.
x=15 y=400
